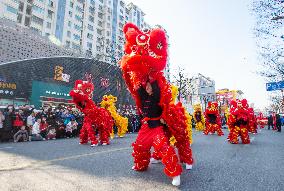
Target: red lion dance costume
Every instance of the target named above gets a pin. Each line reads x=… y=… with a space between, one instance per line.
x=213 y=119
x=238 y=122
x=252 y=121
x=142 y=65
x=82 y=95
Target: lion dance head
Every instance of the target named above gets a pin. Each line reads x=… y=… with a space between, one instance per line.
x=145 y=52
x=82 y=93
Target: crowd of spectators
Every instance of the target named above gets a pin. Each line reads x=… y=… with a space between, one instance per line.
x=29 y=124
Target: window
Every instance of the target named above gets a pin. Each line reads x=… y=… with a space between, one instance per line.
x=47 y=34
x=100 y=23
x=90 y=36
x=37 y=20
x=108 y=18
x=69 y=23
x=121 y=11
x=108 y=33
x=121 y=3
x=69 y=34
x=49 y=14
x=126 y=17
x=38 y=9
x=108 y=25
x=78 y=18
x=75 y=46
x=27 y=21
x=92 y=2
x=121 y=32
x=19 y=18
x=68 y=44
x=71 y=4
x=79 y=9
x=90 y=27
x=81 y=1
x=50 y=3
x=100 y=7
x=40 y=0
x=77 y=27
x=21 y=6
x=120 y=25
x=102 y=1
x=99 y=31
x=11 y=9
x=48 y=25
x=89 y=45
x=100 y=15
x=29 y=10
x=120 y=17
x=92 y=10
x=70 y=13
x=91 y=18
x=76 y=37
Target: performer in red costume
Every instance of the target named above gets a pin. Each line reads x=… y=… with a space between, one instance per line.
x=100 y=118
x=252 y=121
x=142 y=66
x=238 y=122
x=213 y=120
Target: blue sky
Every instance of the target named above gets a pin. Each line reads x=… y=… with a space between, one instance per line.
x=212 y=37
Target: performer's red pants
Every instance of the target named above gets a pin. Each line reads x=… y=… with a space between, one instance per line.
x=211 y=128
x=87 y=132
x=148 y=137
x=241 y=131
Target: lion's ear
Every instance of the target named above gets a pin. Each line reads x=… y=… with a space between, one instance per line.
x=77 y=82
x=158 y=42
x=130 y=27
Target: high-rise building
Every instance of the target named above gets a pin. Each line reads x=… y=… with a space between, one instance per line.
x=9 y=9
x=39 y=15
x=92 y=27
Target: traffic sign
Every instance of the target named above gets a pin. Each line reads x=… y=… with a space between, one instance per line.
x=272 y=86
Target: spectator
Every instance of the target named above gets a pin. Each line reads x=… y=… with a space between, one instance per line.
x=51 y=133
x=18 y=121
x=30 y=122
x=36 y=131
x=8 y=123
x=278 y=122
x=43 y=127
x=270 y=122
x=21 y=135
x=71 y=127
x=2 y=118
x=60 y=129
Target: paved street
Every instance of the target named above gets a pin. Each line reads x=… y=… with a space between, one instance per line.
x=66 y=165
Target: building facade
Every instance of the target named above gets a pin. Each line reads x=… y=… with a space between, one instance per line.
x=202 y=90
x=33 y=70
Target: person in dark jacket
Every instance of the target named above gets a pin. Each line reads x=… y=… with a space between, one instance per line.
x=270 y=122
x=278 y=122
x=8 y=123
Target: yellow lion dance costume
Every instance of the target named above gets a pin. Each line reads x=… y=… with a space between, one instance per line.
x=188 y=117
x=198 y=117
x=108 y=102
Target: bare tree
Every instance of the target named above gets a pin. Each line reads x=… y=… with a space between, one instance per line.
x=182 y=81
x=269 y=16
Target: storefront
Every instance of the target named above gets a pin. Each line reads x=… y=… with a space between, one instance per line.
x=48 y=81
x=50 y=94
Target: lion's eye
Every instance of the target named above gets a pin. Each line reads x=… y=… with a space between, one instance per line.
x=159 y=46
x=146 y=30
